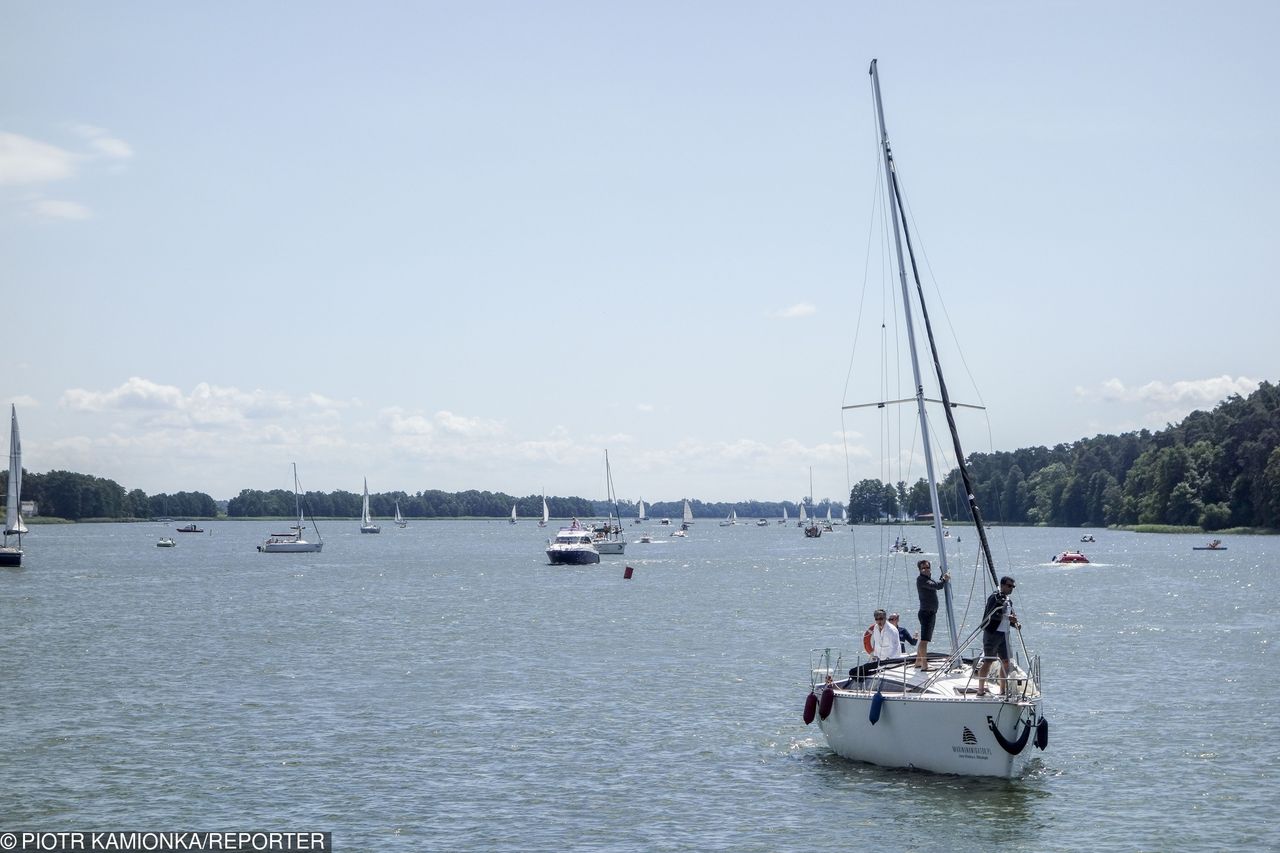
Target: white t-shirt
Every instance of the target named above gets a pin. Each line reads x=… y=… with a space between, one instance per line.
x=884 y=641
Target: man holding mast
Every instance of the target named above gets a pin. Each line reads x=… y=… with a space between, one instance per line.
x=927 y=588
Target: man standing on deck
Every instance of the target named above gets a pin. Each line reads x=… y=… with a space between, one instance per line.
x=997 y=616
x=927 y=588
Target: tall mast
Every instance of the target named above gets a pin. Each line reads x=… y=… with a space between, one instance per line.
x=895 y=214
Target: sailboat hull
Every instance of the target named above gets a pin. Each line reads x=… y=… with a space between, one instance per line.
x=935 y=734
x=370 y=528
x=291 y=547
x=10 y=557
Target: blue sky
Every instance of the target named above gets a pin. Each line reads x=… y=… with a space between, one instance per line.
x=471 y=245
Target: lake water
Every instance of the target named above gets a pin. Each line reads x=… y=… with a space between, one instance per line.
x=441 y=687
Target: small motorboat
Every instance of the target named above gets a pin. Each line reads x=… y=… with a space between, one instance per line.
x=1215 y=545
x=1088 y=537
x=764 y=522
x=1071 y=557
x=190 y=528
x=166 y=542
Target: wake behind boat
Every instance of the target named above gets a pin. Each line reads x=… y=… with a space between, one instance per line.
x=890 y=711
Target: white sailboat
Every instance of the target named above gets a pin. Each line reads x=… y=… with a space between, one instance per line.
x=608 y=537
x=11 y=555
x=687 y=514
x=784 y=517
x=641 y=518
x=731 y=519
x=804 y=518
x=293 y=543
x=546 y=514
x=889 y=712
x=513 y=513
x=400 y=522
x=366 y=520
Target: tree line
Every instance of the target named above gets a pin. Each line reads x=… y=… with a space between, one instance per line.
x=1214 y=470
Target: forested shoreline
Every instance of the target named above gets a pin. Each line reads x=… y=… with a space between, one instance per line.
x=1213 y=470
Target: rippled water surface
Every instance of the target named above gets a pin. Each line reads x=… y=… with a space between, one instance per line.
x=441 y=687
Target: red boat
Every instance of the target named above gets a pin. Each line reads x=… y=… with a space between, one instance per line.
x=1071 y=557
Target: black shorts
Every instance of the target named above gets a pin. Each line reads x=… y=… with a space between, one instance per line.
x=927 y=620
x=995 y=644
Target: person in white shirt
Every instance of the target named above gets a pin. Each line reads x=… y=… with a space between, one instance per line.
x=884 y=639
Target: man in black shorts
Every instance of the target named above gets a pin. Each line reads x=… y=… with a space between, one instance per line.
x=997 y=616
x=927 y=588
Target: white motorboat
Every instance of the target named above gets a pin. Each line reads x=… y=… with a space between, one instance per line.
x=366 y=520
x=11 y=555
x=166 y=542
x=889 y=712
x=572 y=546
x=293 y=542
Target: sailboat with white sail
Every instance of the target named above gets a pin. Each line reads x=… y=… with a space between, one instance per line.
x=784 y=520
x=546 y=514
x=731 y=519
x=294 y=542
x=400 y=522
x=513 y=513
x=641 y=518
x=608 y=537
x=367 y=524
x=11 y=555
x=939 y=715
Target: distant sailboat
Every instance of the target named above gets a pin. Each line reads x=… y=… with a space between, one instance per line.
x=400 y=522
x=513 y=513
x=803 y=518
x=686 y=516
x=366 y=520
x=13 y=526
x=641 y=518
x=608 y=538
x=293 y=543
x=546 y=514
x=784 y=516
x=731 y=519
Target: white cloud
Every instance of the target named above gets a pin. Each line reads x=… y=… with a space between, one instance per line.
x=27 y=161
x=1183 y=391
x=136 y=393
x=459 y=425
x=800 y=309
x=53 y=209
x=103 y=143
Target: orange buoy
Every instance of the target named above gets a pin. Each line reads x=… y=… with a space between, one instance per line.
x=810 y=707
x=866 y=640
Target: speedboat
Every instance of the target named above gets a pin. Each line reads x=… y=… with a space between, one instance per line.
x=166 y=542
x=190 y=528
x=1071 y=557
x=573 y=546
x=764 y=522
x=1088 y=537
x=1215 y=545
